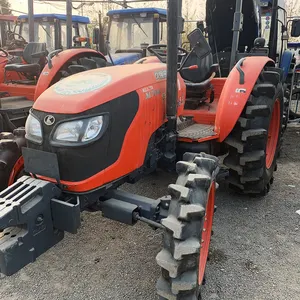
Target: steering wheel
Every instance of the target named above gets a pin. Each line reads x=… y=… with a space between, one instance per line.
x=3 y=53
x=11 y=36
x=160 y=51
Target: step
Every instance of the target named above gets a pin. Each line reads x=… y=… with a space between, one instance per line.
x=197 y=131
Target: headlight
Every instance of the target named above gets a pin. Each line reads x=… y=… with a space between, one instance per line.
x=79 y=131
x=33 y=129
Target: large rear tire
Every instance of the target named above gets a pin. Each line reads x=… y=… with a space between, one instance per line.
x=11 y=156
x=255 y=141
x=188 y=228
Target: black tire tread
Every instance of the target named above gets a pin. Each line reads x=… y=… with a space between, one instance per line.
x=247 y=141
x=11 y=144
x=179 y=257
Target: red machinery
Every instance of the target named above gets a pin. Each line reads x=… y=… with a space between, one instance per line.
x=89 y=133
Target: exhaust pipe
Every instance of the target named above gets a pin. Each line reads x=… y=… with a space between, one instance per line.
x=172 y=23
x=69 y=24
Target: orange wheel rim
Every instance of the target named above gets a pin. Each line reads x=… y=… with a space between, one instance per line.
x=273 y=134
x=18 y=167
x=206 y=233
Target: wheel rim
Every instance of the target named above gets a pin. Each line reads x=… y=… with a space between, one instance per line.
x=17 y=169
x=273 y=133
x=206 y=233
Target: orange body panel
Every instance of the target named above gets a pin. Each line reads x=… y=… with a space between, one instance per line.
x=9 y=75
x=148 y=60
x=86 y=90
x=150 y=83
x=58 y=61
x=235 y=95
x=8 y=18
x=120 y=80
x=31 y=92
x=18 y=90
x=206 y=113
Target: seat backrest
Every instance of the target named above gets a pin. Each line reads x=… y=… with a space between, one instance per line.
x=90 y=64
x=200 y=56
x=32 y=48
x=74 y=69
x=202 y=73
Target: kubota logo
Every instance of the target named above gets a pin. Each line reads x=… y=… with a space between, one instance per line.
x=49 y=120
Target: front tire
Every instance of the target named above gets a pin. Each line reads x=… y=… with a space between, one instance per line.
x=188 y=228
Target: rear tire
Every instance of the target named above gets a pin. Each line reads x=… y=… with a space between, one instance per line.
x=10 y=152
x=188 y=226
x=255 y=141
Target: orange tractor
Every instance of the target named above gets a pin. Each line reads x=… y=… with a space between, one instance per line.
x=93 y=131
x=9 y=46
x=19 y=78
x=7 y=24
x=40 y=65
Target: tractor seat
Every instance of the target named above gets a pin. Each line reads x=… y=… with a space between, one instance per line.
x=74 y=69
x=32 y=55
x=33 y=69
x=199 y=80
x=88 y=63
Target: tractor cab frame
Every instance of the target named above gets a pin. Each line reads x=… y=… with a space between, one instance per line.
x=130 y=31
x=7 y=24
x=52 y=30
x=252 y=19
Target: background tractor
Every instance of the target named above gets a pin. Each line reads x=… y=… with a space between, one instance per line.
x=50 y=35
x=130 y=31
x=30 y=71
x=7 y=24
x=93 y=131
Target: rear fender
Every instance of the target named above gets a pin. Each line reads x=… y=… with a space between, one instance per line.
x=47 y=76
x=235 y=94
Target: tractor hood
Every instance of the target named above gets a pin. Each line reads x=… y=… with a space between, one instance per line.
x=89 y=89
x=124 y=58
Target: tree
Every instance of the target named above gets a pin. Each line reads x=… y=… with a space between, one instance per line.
x=293 y=8
x=5 y=7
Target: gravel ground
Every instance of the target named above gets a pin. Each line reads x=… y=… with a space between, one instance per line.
x=255 y=252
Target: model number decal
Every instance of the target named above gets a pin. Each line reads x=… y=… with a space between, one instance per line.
x=160 y=75
x=150 y=92
x=147 y=89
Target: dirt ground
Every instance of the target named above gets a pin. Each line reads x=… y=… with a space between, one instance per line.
x=255 y=252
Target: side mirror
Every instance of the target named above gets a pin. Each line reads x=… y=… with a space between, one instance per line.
x=199 y=43
x=96 y=36
x=295 y=28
